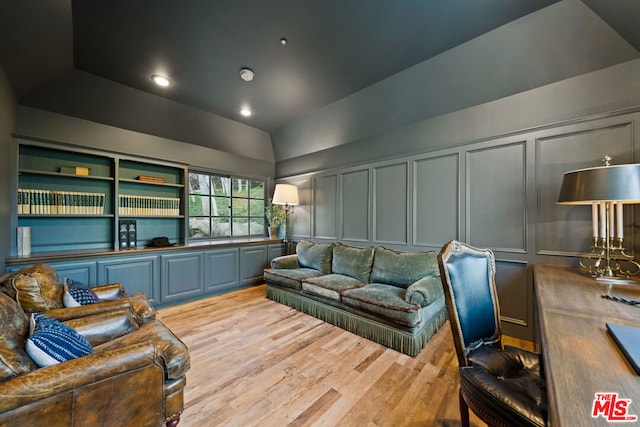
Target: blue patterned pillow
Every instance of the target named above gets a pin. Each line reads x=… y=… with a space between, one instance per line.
x=76 y=297
x=52 y=342
x=74 y=284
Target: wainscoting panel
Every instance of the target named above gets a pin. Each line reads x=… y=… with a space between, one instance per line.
x=436 y=190
x=300 y=220
x=566 y=229
x=515 y=294
x=356 y=206
x=496 y=197
x=326 y=207
x=391 y=201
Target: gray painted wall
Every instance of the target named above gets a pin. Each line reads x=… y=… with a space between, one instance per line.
x=87 y=96
x=7 y=123
x=611 y=89
x=62 y=128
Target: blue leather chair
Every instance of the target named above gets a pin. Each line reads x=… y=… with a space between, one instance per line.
x=502 y=386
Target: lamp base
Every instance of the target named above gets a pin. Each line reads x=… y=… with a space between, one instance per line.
x=607 y=260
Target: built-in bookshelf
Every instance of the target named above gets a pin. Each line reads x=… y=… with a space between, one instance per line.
x=72 y=198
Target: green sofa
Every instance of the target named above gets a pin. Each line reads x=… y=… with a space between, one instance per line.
x=393 y=298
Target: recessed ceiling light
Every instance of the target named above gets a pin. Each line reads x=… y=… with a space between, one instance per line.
x=246 y=74
x=161 y=80
x=283 y=41
x=246 y=111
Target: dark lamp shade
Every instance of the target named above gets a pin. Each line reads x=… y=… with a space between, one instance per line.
x=617 y=183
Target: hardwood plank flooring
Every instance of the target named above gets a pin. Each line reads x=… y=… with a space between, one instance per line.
x=255 y=362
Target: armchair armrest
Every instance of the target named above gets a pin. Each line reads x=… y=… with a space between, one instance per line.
x=68 y=376
x=286 y=261
x=68 y=313
x=142 y=308
x=111 y=291
x=104 y=327
x=424 y=291
x=137 y=303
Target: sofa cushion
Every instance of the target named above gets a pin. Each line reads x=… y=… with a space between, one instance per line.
x=54 y=342
x=353 y=262
x=36 y=288
x=386 y=301
x=403 y=268
x=330 y=286
x=315 y=255
x=290 y=278
x=14 y=324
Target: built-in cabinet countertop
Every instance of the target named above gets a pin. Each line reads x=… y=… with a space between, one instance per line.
x=47 y=257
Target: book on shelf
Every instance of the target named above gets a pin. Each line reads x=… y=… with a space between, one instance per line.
x=127 y=234
x=75 y=170
x=23 y=241
x=48 y=202
x=148 y=205
x=148 y=178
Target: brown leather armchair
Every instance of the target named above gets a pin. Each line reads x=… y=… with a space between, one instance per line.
x=37 y=289
x=135 y=377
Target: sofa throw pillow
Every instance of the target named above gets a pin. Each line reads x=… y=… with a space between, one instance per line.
x=74 y=284
x=353 y=262
x=76 y=297
x=54 y=342
x=315 y=255
x=403 y=268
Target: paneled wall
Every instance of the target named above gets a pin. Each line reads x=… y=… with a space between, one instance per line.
x=497 y=192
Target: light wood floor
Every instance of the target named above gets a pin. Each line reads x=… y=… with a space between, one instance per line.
x=255 y=362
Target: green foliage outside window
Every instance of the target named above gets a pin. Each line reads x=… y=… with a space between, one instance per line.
x=223 y=206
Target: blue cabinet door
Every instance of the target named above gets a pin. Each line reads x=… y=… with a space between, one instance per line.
x=137 y=274
x=275 y=250
x=181 y=275
x=221 y=269
x=80 y=271
x=253 y=261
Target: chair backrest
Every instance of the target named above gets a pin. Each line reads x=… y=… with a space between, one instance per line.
x=468 y=279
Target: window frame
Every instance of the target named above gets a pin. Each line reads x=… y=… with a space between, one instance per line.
x=233 y=219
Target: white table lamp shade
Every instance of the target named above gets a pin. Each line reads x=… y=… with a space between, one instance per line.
x=285 y=194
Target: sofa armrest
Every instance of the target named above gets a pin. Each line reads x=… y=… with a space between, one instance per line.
x=111 y=291
x=286 y=261
x=69 y=376
x=424 y=291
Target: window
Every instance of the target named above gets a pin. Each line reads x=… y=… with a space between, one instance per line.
x=224 y=206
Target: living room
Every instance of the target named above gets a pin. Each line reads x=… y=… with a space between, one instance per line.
x=470 y=142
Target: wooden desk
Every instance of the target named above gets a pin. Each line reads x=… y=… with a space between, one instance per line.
x=580 y=358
